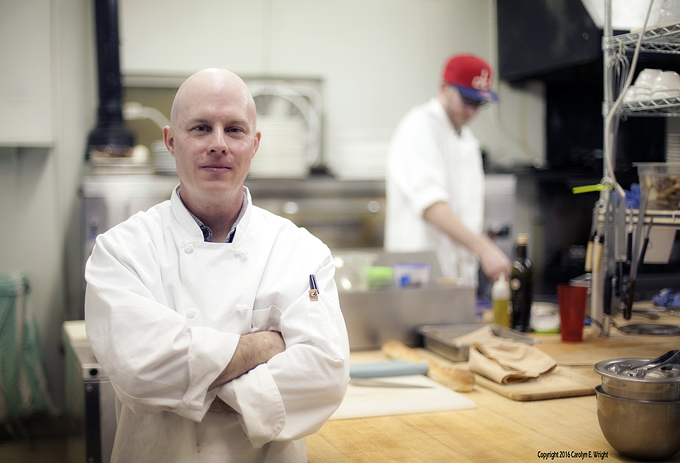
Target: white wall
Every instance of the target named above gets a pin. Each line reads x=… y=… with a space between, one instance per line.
x=378 y=58
x=38 y=185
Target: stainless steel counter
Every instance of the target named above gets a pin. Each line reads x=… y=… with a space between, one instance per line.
x=341 y=213
x=90 y=399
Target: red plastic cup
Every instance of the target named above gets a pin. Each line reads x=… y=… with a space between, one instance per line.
x=572 y=302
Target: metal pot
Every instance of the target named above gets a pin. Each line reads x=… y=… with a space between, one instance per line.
x=656 y=385
x=639 y=429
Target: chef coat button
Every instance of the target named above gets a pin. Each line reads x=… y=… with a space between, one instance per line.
x=191 y=313
x=241 y=308
x=189 y=248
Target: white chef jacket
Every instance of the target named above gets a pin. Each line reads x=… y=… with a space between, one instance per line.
x=164 y=311
x=427 y=162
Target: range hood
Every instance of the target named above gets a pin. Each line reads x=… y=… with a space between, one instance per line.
x=110 y=137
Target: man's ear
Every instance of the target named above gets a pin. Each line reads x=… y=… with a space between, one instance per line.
x=256 y=143
x=169 y=140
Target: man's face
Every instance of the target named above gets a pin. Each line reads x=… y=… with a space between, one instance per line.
x=213 y=139
x=459 y=109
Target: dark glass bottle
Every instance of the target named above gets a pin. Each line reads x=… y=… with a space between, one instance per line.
x=521 y=286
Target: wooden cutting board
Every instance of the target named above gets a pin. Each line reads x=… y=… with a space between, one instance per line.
x=575 y=375
x=559 y=383
x=563 y=381
x=361 y=401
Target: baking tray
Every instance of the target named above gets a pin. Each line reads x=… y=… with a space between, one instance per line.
x=440 y=339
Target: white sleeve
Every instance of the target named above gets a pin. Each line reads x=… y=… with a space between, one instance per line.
x=294 y=394
x=155 y=361
x=415 y=164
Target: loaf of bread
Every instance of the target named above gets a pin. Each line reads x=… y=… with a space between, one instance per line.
x=455 y=378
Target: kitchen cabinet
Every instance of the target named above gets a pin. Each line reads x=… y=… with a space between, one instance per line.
x=660 y=39
x=26 y=77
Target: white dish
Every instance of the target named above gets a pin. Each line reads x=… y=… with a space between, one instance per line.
x=630 y=95
x=647 y=78
x=667 y=80
x=665 y=94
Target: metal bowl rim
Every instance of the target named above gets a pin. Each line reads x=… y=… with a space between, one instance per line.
x=600 y=368
x=599 y=391
x=643 y=391
x=654 y=396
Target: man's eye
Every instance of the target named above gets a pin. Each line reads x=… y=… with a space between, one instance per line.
x=473 y=103
x=234 y=129
x=200 y=128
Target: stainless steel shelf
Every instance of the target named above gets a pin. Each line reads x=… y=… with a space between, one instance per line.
x=664 y=39
x=663 y=107
x=660 y=39
x=659 y=218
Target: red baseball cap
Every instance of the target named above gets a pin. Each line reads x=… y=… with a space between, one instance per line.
x=471 y=75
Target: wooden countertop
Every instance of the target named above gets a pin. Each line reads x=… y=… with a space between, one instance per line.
x=499 y=429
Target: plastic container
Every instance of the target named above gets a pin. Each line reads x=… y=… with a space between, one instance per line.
x=660 y=184
x=380 y=277
x=572 y=304
x=545 y=317
x=500 y=294
x=351 y=270
x=411 y=274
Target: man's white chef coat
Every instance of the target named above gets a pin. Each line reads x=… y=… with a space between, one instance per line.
x=427 y=162
x=164 y=311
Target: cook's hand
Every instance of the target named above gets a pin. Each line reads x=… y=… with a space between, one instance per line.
x=495 y=263
x=220 y=406
x=253 y=349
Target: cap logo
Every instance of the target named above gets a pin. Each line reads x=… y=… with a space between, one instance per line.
x=481 y=82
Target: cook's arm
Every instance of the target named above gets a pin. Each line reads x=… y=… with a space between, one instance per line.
x=494 y=262
x=295 y=392
x=155 y=360
x=253 y=349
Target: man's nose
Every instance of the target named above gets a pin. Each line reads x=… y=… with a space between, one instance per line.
x=218 y=142
x=470 y=110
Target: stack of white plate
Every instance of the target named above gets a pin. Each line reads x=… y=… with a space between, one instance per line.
x=673 y=147
x=361 y=157
x=283 y=148
x=163 y=161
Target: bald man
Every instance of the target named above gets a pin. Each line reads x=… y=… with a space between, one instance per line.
x=217 y=322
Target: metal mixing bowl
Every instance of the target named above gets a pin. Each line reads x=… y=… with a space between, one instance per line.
x=650 y=387
x=639 y=429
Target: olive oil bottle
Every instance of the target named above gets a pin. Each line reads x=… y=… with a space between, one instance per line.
x=521 y=286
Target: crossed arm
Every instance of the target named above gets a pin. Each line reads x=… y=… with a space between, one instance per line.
x=252 y=350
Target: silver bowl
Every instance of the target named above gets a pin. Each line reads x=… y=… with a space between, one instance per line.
x=650 y=387
x=639 y=429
